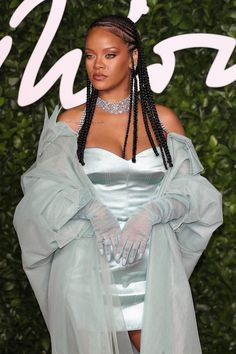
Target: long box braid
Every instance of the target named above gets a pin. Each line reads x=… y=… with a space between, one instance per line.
x=125 y=29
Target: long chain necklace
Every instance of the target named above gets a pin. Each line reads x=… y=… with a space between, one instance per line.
x=118 y=107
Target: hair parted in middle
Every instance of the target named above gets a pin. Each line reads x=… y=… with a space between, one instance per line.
x=125 y=29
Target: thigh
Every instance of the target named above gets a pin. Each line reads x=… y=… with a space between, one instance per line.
x=135 y=337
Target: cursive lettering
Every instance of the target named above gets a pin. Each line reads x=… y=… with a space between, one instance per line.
x=67 y=66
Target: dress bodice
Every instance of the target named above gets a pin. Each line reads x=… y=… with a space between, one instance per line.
x=121 y=184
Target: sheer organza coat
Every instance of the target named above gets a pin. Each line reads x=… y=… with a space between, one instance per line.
x=70 y=279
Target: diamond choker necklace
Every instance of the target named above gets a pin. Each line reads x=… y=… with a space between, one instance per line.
x=114 y=107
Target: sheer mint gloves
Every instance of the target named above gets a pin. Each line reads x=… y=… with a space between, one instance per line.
x=106 y=227
x=130 y=244
x=137 y=230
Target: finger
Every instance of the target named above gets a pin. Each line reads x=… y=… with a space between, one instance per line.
x=139 y=253
x=100 y=247
x=114 y=245
x=142 y=249
x=119 y=249
x=115 y=241
x=107 y=247
x=133 y=252
x=126 y=252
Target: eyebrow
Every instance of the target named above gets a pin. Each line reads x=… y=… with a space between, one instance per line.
x=104 y=48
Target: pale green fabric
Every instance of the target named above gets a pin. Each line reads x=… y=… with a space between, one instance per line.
x=123 y=186
x=72 y=282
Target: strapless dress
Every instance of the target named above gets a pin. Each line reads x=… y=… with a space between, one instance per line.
x=123 y=187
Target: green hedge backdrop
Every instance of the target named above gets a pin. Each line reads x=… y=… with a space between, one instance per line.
x=207 y=114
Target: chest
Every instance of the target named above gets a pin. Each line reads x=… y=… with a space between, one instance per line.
x=109 y=132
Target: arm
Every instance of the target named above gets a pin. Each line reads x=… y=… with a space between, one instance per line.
x=191 y=206
x=137 y=231
x=57 y=202
x=187 y=202
x=52 y=197
x=170 y=119
x=105 y=225
x=163 y=211
x=47 y=218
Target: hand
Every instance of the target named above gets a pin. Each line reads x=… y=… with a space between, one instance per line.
x=106 y=227
x=136 y=232
x=134 y=238
x=107 y=233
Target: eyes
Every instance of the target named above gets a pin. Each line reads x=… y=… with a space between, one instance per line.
x=107 y=56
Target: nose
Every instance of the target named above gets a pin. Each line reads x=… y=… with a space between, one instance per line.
x=98 y=63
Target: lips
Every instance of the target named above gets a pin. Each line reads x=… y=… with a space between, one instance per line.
x=99 y=77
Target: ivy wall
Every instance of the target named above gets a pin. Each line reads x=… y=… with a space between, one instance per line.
x=208 y=115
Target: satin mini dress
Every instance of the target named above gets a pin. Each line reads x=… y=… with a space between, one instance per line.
x=123 y=186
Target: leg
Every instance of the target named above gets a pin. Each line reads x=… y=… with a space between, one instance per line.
x=135 y=337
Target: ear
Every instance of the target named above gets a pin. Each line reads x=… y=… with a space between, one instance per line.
x=135 y=58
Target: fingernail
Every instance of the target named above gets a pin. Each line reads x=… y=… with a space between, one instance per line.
x=124 y=261
x=117 y=257
x=131 y=259
x=101 y=252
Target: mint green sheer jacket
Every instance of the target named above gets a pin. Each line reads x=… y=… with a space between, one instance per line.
x=80 y=311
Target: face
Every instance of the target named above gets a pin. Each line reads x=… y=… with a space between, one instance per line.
x=108 y=62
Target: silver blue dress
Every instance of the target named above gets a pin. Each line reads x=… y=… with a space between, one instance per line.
x=123 y=186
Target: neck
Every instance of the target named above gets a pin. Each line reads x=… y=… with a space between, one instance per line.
x=115 y=107
x=113 y=97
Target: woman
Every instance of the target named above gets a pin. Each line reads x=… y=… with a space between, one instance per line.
x=148 y=212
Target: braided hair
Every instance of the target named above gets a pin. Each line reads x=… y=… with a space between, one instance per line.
x=125 y=29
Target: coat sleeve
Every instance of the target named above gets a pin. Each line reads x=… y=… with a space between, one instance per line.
x=46 y=218
x=53 y=195
x=194 y=229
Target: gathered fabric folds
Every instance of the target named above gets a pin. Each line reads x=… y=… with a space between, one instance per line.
x=62 y=262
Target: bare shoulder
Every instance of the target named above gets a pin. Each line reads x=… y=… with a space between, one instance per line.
x=72 y=116
x=170 y=119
